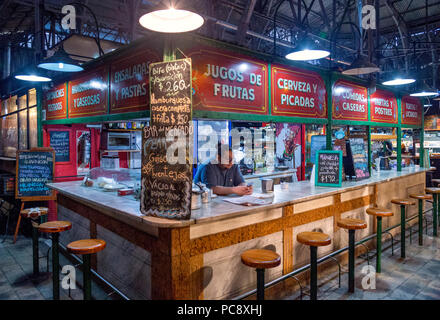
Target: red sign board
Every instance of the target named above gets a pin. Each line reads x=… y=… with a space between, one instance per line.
x=88 y=94
x=55 y=102
x=228 y=82
x=349 y=101
x=411 y=111
x=298 y=93
x=129 y=89
x=383 y=107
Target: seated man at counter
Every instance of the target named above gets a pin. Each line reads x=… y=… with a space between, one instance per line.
x=224 y=177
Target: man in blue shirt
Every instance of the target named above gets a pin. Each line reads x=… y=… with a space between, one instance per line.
x=224 y=177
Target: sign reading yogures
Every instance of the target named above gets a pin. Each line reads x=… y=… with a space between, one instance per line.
x=166 y=175
x=328 y=168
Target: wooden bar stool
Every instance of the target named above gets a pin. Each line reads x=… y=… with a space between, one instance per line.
x=34 y=214
x=86 y=247
x=314 y=240
x=435 y=202
x=421 y=197
x=351 y=225
x=54 y=228
x=436 y=181
x=260 y=259
x=403 y=203
x=379 y=213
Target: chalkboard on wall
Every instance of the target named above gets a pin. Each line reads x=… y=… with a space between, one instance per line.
x=60 y=142
x=34 y=169
x=328 y=168
x=359 y=156
x=166 y=186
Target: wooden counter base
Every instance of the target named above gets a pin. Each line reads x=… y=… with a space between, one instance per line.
x=202 y=261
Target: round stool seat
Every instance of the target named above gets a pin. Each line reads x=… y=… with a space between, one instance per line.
x=421 y=196
x=403 y=202
x=34 y=212
x=432 y=190
x=86 y=246
x=260 y=258
x=352 y=224
x=436 y=180
x=379 y=212
x=432 y=169
x=55 y=226
x=315 y=239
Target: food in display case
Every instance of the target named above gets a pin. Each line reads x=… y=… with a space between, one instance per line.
x=108 y=180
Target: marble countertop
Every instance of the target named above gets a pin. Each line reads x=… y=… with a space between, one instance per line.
x=218 y=209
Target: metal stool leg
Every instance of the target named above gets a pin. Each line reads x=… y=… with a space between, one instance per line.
x=313 y=273
x=434 y=214
x=260 y=284
x=35 y=251
x=87 y=284
x=402 y=231
x=420 y=222
x=351 y=248
x=379 y=244
x=55 y=267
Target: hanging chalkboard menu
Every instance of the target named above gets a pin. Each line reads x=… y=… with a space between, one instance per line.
x=35 y=168
x=359 y=156
x=166 y=170
x=328 y=168
x=59 y=141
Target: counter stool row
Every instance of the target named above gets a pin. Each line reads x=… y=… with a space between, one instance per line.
x=262 y=259
x=85 y=247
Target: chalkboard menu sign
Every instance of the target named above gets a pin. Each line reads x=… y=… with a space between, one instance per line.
x=359 y=156
x=318 y=142
x=166 y=170
x=59 y=141
x=328 y=168
x=34 y=169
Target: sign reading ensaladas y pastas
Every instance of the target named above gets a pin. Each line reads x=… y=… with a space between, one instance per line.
x=349 y=101
x=129 y=82
x=298 y=93
x=55 y=102
x=411 y=111
x=228 y=82
x=88 y=94
x=383 y=106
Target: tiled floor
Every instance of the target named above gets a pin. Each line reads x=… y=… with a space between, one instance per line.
x=417 y=277
x=16 y=267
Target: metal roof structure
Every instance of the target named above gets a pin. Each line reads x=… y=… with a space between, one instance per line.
x=407 y=34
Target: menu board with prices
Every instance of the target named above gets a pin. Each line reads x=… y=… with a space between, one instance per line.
x=129 y=82
x=298 y=93
x=167 y=176
x=228 y=82
x=60 y=142
x=358 y=153
x=383 y=106
x=88 y=94
x=328 y=168
x=35 y=168
x=349 y=101
x=411 y=111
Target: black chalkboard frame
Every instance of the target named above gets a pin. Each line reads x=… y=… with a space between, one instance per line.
x=70 y=141
x=52 y=196
x=339 y=152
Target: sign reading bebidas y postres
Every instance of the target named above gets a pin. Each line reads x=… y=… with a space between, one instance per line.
x=166 y=186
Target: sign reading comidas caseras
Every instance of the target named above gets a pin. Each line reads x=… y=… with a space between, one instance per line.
x=166 y=177
x=55 y=102
x=228 y=82
x=129 y=82
x=298 y=93
x=88 y=93
x=349 y=101
x=411 y=111
x=383 y=107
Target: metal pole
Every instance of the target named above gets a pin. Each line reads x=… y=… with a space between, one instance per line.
x=55 y=267
x=379 y=244
x=434 y=214
x=420 y=222
x=402 y=231
x=313 y=273
x=260 y=284
x=351 y=254
x=87 y=284
x=35 y=251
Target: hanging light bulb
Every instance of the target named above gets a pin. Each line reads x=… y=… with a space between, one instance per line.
x=361 y=65
x=171 y=20
x=424 y=91
x=32 y=74
x=399 y=79
x=307 y=50
x=62 y=62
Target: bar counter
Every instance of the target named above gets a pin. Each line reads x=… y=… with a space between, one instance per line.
x=200 y=258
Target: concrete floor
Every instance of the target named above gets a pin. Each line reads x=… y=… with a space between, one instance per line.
x=416 y=277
